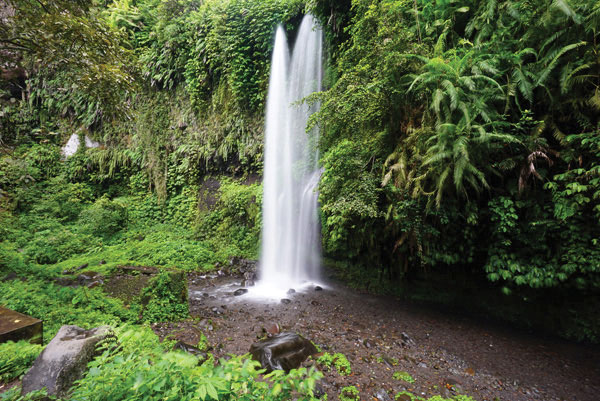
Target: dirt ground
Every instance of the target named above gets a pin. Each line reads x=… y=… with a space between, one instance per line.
x=445 y=354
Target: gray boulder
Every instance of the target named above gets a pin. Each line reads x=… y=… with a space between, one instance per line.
x=283 y=351
x=64 y=360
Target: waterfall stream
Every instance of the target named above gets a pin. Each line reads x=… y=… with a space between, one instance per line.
x=290 y=248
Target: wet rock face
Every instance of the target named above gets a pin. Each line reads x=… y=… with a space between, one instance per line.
x=64 y=360
x=284 y=351
x=244 y=266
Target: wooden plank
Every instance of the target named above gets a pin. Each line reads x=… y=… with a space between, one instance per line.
x=15 y=326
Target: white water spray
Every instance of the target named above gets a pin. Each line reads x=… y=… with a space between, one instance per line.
x=290 y=250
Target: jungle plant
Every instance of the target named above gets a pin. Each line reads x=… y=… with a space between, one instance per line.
x=16 y=358
x=404 y=376
x=337 y=360
x=349 y=393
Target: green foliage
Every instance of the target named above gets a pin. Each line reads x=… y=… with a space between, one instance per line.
x=16 y=358
x=11 y=260
x=337 y=360
x=104 y=218
x=165 y=297
x=349 y=393
x=56 y=244
x=57 y=305
x=140 y=369
x=14 y=394
x=348 y=194
x=80 y=66
x=234 y=223
x=404 y=376
x=479 y=121
x=232 y=45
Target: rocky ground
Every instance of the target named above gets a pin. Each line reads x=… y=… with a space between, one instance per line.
x=444 y=354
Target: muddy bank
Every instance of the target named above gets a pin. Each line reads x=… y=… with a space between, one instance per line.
x=445 y=354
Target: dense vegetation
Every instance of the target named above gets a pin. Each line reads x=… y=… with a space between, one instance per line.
x=461 y=137
x=459 y=141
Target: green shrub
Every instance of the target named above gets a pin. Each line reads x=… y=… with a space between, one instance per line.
x=52 y=246
x=165 y=297
x=14 y=394
x=140 y=369
x=58 y=305
x=405 y=376
x=233 y=226
x=63 y=200
x=11 y=260
x=337 y=360
x=349 y=393
x=16 y=358
x=104 y=218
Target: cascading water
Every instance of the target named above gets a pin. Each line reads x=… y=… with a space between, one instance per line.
x=290 y=251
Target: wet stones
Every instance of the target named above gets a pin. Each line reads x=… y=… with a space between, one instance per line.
x=248 y=283
x=240 y=291
x=318 y=288
x=273 y=329
x=75 y=269
x=382 y=395
x=64 y=360
x=284 y=351
x=406 y=340
x=286 y=301
x=87 y=279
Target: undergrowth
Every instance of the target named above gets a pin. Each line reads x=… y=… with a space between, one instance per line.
x=16 y=358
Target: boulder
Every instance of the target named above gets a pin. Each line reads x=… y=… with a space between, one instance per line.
x=283 y=351
x=191 y=349
x=240 y=291
x=382 y=395
x=64 y=360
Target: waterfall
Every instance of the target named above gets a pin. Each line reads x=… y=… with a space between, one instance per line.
x=290 y=249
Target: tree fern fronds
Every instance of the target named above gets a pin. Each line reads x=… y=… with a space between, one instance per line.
x=594 y=100
x=546 y=71
x=570 y=77
x=437 y=157
x=552 y=38
x=436 y=101
x=567 y=10
x=451 y=92
x=440 y=186
x=460 y=167
x=524 y=85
